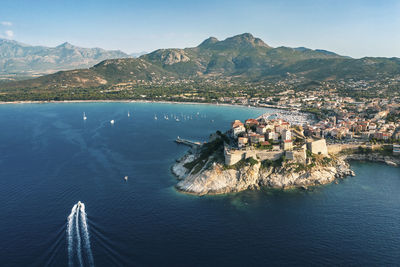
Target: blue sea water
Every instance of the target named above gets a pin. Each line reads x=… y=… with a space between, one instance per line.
x=50 y=158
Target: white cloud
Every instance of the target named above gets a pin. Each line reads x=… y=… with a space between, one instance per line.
x=9 y=33
x=6 y=23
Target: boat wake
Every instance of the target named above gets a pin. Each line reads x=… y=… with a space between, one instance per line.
x=78 y=234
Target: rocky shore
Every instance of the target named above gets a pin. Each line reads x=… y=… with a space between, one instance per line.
x=373 y=157
x=215 y=178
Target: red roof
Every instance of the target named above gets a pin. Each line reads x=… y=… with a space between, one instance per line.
x=287 y=141
x=251 y=121
x=236 y=124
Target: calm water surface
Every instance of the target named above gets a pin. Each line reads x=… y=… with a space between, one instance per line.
x=50 y=159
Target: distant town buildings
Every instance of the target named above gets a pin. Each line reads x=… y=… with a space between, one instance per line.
x=263 y=138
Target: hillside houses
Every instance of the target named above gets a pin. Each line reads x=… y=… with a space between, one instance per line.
x=270 y=139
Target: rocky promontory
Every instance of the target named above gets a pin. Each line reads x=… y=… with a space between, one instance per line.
x=201 y=175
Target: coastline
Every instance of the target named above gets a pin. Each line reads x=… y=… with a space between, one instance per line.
x=308 y=117
x=215 y=179
x=124 y=101
x=153 y=101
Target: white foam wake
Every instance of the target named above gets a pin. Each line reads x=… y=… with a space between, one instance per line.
x=70 y=237
x=86 y=236
x=77 y=223
x=78 y=238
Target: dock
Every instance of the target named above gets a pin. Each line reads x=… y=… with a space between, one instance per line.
x=187 y=142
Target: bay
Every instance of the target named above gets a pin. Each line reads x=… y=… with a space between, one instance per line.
x=50 y=158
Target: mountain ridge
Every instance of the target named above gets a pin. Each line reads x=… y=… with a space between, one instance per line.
x=21 y=59
x=242 y=57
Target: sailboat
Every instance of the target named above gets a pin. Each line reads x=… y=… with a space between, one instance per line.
x=129 y=114
x=112 y=121
x=155 y=116
x=84 y=116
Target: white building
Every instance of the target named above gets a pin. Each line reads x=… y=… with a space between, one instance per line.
x=238 y=130
x=273 y=135
x=286 y=135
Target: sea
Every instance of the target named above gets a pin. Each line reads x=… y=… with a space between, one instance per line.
x=51 y=159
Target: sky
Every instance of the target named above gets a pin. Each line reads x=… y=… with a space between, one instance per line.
x=354 y=28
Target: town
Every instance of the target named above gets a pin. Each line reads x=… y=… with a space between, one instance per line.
x=270 y=139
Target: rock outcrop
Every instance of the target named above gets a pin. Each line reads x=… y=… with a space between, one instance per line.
x=215 y=178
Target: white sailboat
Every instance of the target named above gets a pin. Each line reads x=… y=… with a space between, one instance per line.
x=112 y=121
x=155 y=117
x=84 y=116
x=129 y=114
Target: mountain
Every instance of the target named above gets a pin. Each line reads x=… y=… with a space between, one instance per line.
x=242 y=57
x=25 y=60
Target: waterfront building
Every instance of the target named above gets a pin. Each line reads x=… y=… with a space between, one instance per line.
x=237 y=128
x=251 y=122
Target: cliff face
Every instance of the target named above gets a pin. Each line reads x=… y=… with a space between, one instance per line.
x=216 y=179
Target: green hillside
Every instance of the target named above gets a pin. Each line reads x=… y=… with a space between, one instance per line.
x=238 y=58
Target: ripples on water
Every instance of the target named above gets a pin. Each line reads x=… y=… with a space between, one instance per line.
x=50 y=158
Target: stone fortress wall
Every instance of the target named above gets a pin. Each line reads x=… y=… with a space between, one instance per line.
x=317 y=147
x=234 y=156
x=337 y=148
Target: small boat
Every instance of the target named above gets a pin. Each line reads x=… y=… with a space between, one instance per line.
x=79 y=204
x=126 y=178
x=177 y=119
x=112 y=121
x=84 y=116
x=129 y=114
x=155 y=117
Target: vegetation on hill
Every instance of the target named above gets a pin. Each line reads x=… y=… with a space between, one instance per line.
x=212 y=69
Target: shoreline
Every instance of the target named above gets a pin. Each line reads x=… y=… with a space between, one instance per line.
x=219 y=181
x=309 y=117
x=151 y=101
x=126 y=101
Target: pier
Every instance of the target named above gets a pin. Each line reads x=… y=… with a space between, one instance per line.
x=187 y=142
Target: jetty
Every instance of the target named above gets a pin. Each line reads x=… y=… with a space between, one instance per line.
x=187 y=142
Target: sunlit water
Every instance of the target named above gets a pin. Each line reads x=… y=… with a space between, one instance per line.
x=50 y=158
